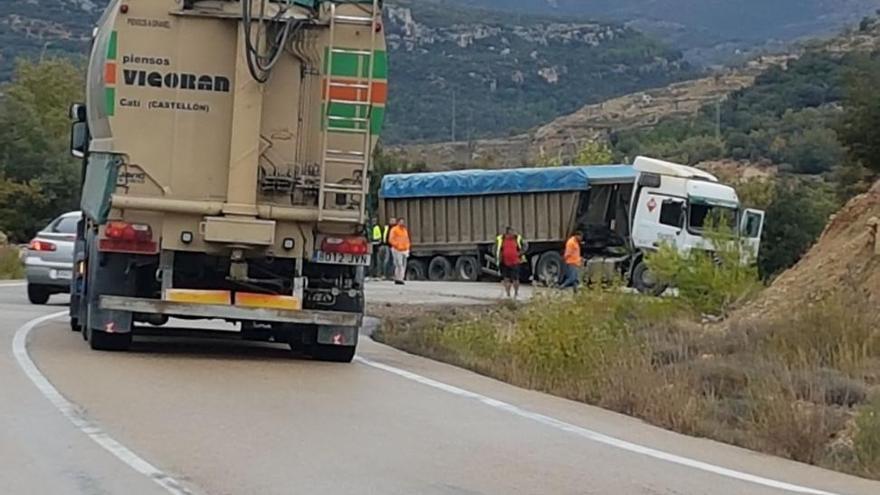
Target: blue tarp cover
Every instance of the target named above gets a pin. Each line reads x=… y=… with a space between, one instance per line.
x=515 y=180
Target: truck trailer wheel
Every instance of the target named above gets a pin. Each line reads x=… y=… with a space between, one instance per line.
x=332 y=353
x=645 y=282
x=103 y=341
x=415 y=270
x=549 y=268
x=440 y=269
x=467 y=269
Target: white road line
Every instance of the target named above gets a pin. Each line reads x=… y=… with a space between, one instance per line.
x=593 y=435
x=78 y=418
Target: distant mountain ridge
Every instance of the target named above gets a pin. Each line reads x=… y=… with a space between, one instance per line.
x=706 y=25
x=500 y=72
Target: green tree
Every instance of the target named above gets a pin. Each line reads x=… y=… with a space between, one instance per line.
x=814 y=151
x=860 y=126
x=588 y=153
x=38 y=178
x=757 y=192
x=795 y=218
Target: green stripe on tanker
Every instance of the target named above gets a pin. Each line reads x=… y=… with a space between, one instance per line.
x=110 y=101
x=112 y=47
x=356 y=65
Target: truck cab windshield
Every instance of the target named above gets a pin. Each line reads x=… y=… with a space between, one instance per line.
x=703 y=214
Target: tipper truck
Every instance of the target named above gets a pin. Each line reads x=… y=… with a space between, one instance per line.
x=623 y=211
x=226 y=148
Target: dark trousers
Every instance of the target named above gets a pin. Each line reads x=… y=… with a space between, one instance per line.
x=570 y=277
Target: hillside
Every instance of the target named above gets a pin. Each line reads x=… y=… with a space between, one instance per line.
x=773 y=109
x=710 y=30
x=642 y=109
x=844 y=258
x=507 y=72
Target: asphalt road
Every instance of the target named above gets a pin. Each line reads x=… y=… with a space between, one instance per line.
x=224 y=417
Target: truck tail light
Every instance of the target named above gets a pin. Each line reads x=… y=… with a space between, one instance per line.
x=124 y=237
x=345 y=245
x=38 y=245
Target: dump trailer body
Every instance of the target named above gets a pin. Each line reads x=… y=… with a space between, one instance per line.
x=460 y=214
x=230 y=146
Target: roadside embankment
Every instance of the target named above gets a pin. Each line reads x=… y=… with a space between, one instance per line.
x=798 y=388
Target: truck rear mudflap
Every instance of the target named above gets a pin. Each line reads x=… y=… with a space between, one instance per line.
x=229 y=312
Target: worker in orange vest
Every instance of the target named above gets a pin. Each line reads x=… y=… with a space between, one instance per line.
x=573 y=262
x=398 y=238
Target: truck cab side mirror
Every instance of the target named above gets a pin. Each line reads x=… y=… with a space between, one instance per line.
x=79 y=139
x=79 y=132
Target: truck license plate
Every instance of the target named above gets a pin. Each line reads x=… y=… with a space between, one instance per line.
x=61 y=274
x=342 y=258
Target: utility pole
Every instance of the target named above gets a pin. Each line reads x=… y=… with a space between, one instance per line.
x=43 y=51
x=718 y=120
x=453 y=115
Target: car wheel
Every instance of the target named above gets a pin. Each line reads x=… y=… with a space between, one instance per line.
x=37 y=294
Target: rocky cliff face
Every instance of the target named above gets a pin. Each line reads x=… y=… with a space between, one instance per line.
x=459 y=72
x=453 y=70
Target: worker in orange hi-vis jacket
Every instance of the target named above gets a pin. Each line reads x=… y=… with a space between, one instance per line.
x=400 y=243
x=573 y=262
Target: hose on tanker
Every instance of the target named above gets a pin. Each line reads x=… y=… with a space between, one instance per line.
x=260 y=65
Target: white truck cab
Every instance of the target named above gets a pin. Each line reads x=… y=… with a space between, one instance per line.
x=671 y=204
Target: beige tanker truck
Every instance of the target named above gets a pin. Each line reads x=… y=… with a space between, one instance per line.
x=226 y=148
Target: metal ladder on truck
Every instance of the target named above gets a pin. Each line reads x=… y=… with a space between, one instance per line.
x=334 y=127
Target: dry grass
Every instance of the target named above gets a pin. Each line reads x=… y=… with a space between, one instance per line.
x=796 y=388
x=11 y=266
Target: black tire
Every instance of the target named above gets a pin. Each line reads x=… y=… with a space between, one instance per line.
x=549 y=268
x=257 y=332
x=645 y=282
x=467 y=269
x=103 y=341
x=332 y=353
x=38 y=294
x=74 y=325
x=440 y=269
x=415 y=270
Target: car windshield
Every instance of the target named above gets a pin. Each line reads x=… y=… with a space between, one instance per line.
x=65 y=225
x=703 y=215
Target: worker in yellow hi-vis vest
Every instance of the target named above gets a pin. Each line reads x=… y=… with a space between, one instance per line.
x=377 y=237
x=510 y=254
x=384 y=263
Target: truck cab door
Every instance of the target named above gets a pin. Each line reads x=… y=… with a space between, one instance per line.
x=751 y=228
x=658 y=220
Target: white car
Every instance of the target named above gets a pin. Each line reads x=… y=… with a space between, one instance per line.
x=49 y=259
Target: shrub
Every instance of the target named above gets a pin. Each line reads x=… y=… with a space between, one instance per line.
x=11 y=266
x=866 y=442
x=787 y=426
x=836 y=333
x=711 y=283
